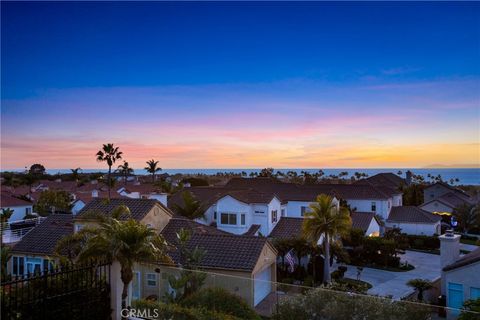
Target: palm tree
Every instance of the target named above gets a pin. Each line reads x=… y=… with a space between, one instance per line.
x=152 y=168
x=109 y=154
x=125 y=170
x=192 y=208
x=75 y=174
x=421 y=285
x=328 y=220
x=5 y=215
x=125 y=241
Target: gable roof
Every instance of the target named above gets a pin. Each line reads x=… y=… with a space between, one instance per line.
x=222 y=250
x=42 y=239
x=362 y=220
x=9 y=201
x=454 y=199
x=466 y=260
x=139 y=208
x=412 y=214
x=287 y=228
x=386 y=179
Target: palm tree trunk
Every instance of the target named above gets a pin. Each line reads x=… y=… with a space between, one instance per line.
x=326 y=261
x=108 y=182
x=153 y=177
x=124 y=298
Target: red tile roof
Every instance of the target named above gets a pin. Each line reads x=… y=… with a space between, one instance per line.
x=412 y=214
x=9 y=201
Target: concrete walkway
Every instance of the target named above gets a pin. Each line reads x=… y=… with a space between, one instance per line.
x=388 y=283
x=468 y=247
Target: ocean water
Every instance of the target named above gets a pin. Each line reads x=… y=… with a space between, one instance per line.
x=469 y=176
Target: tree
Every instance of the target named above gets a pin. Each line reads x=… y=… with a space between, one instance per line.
x=413 y=194
x=37 y=169
x=51 y=201
x=467 y=216
x=421 y=285
x=152 y=168
x=5 y=255
x=190 y=279
x=192 y=208
x=5 y=215
x=125 y=170
x=470 y=310
x=75 y=174
x=266 y=173
x=328 y=220
x=125 y=241
x=109 y=154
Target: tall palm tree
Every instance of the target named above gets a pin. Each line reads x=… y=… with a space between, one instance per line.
x=126 y=241
x=5 y=214
x=328 y=220
x=152 y=168
x=109 y=154
x=125 y=170
x=75 y=174
x=192 y=208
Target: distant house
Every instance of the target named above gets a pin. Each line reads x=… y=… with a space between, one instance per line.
x=442 y=198
x=143 y=191
x=243 y=265
x=367 y=222
x=388 y=179
x=34 y=253
x=20 y=207
x=414 y=220
x=460 y=280
x=147 y=211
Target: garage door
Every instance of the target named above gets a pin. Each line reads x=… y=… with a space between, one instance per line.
x=262 y=286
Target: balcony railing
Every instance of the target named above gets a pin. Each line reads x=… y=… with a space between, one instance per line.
x=14 y=231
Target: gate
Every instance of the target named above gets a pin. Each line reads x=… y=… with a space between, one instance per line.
x=66 y=292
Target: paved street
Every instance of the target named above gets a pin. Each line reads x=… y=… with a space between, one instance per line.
x=427 y=266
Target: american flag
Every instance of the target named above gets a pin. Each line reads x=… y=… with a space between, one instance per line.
x=290 y=261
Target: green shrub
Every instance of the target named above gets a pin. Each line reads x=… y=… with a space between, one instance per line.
x=222 y=301
x=286 y=284
x=308 y=281
x=329 y=305
x=178 y=312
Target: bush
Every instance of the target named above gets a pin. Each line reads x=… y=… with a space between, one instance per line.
x=177 y=312
x=308 y=281
x=423 y=242
x=328 y=305
x=222 y=301
x=286 y=284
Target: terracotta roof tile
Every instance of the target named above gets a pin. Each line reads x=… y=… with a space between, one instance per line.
x=287 y=228
x=362 y=220
x=412 y=214
x=466 y=260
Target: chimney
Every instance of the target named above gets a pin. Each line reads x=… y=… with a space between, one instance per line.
x=94 y=193
x=449 y=248
x=408 y=177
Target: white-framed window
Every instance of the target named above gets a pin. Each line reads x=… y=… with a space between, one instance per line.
x=282 y=212
x=274 y=216
x=374 y=206
x=34 y=265
x=303 y=210
x=28 y=211
x=228 y=218
x=151 y=279
x=78 y=227
x=242 y=219
x=215 y=215
x=259 y=212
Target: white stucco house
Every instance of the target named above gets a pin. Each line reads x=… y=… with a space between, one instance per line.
x=414 y=220
x=460 y=274
x=20 y=207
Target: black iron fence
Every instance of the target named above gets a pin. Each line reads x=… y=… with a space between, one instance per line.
x=64 y=292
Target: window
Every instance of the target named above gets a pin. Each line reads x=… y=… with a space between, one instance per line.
x=151 y=279
x=215 y=215
x=259 y=212
x=242 y=219
x=28 y=211
x=78 y=227
x=303 y=210
x=47 y=265
x=374 y=207
x=274 y=216
x=34 y=265
x=474 y=293
x=282 y=213
x=228 y=218
x=18 y=266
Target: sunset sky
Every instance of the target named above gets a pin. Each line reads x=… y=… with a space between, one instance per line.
x=241 y=85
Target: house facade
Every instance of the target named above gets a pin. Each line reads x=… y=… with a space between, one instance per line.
x=20 y=207
x=414 y=220
x=460 y=281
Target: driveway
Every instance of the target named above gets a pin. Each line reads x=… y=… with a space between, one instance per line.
x=388 y=283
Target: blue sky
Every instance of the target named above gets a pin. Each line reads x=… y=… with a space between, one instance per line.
x=389 y=65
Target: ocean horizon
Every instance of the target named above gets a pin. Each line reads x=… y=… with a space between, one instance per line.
x=467 y=176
